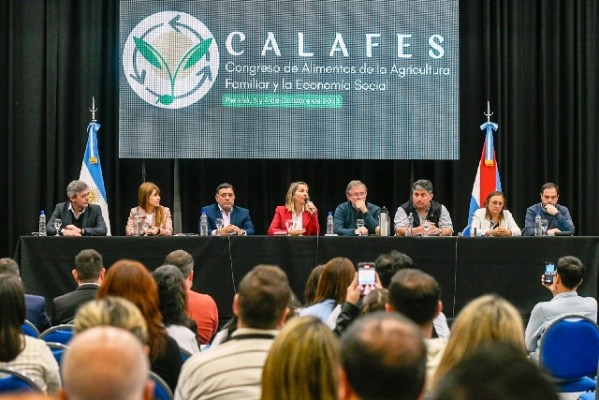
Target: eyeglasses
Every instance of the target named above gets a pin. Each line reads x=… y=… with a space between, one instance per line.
x=360 y=194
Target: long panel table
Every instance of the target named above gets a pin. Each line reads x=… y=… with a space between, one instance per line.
x=465 y=267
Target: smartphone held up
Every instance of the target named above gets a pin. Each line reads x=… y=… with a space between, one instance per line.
x=549 y=272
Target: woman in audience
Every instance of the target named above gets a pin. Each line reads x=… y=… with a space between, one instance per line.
x=375 y=301
x=24 y=354
x=153 y=219
x=486 y=319
x=303 y=363
x=336 y=276
x=494 y=219
x=173 y=306
x=131 y=280
x=298 y=216
x=312 y=284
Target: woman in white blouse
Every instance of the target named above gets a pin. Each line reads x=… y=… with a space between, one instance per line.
x=493 y=219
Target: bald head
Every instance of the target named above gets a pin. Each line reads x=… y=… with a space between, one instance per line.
x=105 y=363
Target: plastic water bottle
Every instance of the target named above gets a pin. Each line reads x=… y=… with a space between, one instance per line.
x=204 y=224
x=384 y=221
x=538 y=226
x=136 y=223
x=410 y=225
x=330 y=224
x=42 y=224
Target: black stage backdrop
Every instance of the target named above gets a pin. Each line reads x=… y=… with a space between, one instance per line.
x=536 y=61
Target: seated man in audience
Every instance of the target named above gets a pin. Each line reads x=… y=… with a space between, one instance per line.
x=568 y=277
x=105 y=363
x=200 y=307
x=417 y=295
x=383 y=356
x=233 y=370
x=78 y=216
x=88 y=273
x=429 y=218
x=236 y=220
x=557 y=216
x=36 y=305
x=356 y=207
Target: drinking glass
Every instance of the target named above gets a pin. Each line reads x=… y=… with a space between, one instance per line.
x=426 y=225
x=544 y=225
x=289 y=225
x=359 y=224
x=219 y=224
x=57 y=225
x=145 y=225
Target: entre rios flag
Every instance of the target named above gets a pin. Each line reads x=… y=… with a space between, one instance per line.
x=91 y=172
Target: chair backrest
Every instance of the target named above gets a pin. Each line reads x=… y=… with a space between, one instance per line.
x=58 y=334
x=58 y=350
x=12 y=381
x=570 y=347
x=161 y=390
x=30 y=330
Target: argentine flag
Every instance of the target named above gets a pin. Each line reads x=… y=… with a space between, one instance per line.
x=91 y=172
x=487 y=176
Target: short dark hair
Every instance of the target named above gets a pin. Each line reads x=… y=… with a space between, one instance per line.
x=550 y=185
x=571 y=271
x=89 y=264
x=495 y=371
x=387 y=264
x=182 y=260
x=225 y=185
x=9 y=266
x=423 y=184
x=384 y=357
x=263 y=296
x=415 y=294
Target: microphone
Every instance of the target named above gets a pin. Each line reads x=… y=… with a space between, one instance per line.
x=311 y=207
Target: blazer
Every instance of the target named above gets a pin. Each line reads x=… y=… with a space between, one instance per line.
x=166 y=228
x=240 y=217
x=92 y=221
x=36 y=311
x=309 y=221
x=482 y=224
x=64 y=307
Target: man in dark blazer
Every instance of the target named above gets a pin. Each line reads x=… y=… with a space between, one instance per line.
x=236 y=220
x=35 y=305
x=89 y=274
x=78 y=216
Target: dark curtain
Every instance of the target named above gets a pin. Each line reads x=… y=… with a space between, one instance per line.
x=536 y=61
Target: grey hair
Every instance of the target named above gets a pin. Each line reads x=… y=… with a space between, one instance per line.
x=75 y=187
x=423 y=184
x=353 y=183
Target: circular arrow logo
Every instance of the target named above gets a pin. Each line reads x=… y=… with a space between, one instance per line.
x=170 y=60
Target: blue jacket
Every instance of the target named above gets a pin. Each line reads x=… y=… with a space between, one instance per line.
x=36 y=312
x=240 y=217
x=562 y=220
x=346 y=216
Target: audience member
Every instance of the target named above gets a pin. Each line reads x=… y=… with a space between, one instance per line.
x=312 y=284
x=78 y=216
x=200 y=307
x=25 y=354
x=375 y=301
x=131 y=280
x=35 y=305
x=429 y=218
x=303 y=363
x=387 y=264
x=236 y=220
x=557 y=216
x=173 y=303
x=105 y=363
x=88 y=273
x=568 y=277
x=332 y=288
x=152 y=218
x=383 y=356
x=234 y=369
x=486 y=319
x=493 y=219
x=356 y=207
x=496 y=371
x=298 y=216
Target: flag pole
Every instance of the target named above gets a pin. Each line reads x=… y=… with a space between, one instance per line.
x=93 y=110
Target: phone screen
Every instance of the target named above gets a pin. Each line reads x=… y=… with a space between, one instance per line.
x=549 y=272
x=366 y=276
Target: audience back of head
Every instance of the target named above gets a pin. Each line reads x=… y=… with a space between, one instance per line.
x=312 y=284
x=415 y=294
x=12 y=316
x=172 y=295
x=387 y=264
x=336 y=276
x=88 y=264
x=571 y=271
x=9 y=266
x=182 y=260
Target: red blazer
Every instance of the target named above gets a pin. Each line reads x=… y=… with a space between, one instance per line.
x=309 y=221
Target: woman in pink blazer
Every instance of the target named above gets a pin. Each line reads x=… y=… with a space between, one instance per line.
x=156 y=217
x=299 y=210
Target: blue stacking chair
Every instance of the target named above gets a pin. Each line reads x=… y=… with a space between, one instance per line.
x=30 y=330
x=58 y=350
x=58 y=334
x=12 y=381
x=161 y=390
x=569 y=352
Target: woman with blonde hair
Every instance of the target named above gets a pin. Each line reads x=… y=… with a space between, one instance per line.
x=153 y=218
x=303 y=363
x=298 y=216
x=486 y=319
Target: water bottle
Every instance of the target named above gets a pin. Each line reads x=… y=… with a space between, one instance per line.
x=410 y=225
x=330 y=224
x=384 y=221
x=42 y=224
x=136 y=224
x=204 y=224
x=538 y=226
